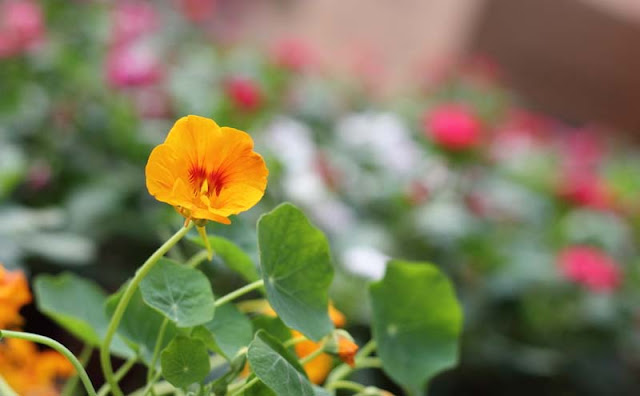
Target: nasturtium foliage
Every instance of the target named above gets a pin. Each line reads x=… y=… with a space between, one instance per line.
x=417 y=321
x=182 y=294
x=272 y=325
x=77 y=305
x=140 y=324
x=231 y=330
x=296 y=269
x=232 y=256
x=276 y=367
x=185 y=361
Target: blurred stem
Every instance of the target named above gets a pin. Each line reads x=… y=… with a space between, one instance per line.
x=71 y=384
x=294 y=341
x=122 y=371
x=244 y=387
x=203 y=234
x=312 y=355
x=105 y=358
x=156 y=349
x=241 y=291
x=197 y=259
x=350 y=385
x=59 y=348
x=5 y=389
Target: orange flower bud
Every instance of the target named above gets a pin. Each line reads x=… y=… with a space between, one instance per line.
x=347 y=350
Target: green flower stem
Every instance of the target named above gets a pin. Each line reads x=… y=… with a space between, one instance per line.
x=244 y=387
x=197 y=259
x=361 y=360
x=156 y=349
x=312 y=355
x=58 y=347
x=5 y=389
x=241 y=291
x=105 y=359
x=350 y=385
x=294 y=341
x=122 y=371
x=71 y=384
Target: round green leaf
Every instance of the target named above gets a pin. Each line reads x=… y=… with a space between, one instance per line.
x=77 y=305
x=184 y=362
x=276 y=367
x=180 y=293
x=417 y=323
x=231 y=330
x=296 y=269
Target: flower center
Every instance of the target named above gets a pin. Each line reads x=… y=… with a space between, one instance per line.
x=206 y=183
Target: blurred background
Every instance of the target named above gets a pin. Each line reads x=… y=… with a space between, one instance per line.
x=494 y=138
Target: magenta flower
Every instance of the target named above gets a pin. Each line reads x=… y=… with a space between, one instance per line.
x=589 y=266
x=453 y=126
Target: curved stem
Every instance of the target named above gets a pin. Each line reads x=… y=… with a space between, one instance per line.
x=71 y=384
x=197 y=259
x=156 y=349
x=58 y=347
x=237 y=293
x=122 y=371
x=105 y=360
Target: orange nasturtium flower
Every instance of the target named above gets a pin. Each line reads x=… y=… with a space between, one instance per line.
x=205 y=171
x=14 y=293
x=27 y=370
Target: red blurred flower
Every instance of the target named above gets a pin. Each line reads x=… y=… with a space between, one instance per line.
x=21 y=26
x=590 y=267
x=197 y=10
x=131 y=20
x=132 y=66
x=453 y=126
x=244 y=93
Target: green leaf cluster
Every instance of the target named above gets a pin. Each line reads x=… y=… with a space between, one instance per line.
x=198 y=341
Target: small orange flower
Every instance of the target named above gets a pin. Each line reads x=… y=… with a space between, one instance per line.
x=347 y=350
x=14 y=293
x=205 y=171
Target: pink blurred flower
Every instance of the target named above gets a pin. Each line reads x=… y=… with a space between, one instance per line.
x=590 y=267
x=453 y=126
x=131 y=20
x=197 y=10
x=132 y=66
x=586 y=188
x=21 y=26
x=244 y=93
x=293 y=54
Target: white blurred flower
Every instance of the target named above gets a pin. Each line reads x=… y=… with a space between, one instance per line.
x=305 y=186
x=333 y=215
x=365 y=261
x=290 y=141
x=382 y=135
